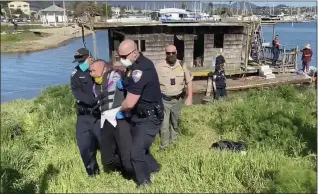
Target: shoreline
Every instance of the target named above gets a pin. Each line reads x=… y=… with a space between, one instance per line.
x=236 y=86
x=59 y=37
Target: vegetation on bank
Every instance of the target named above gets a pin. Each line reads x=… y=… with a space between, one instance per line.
x=21 y=27
x=20 y=39
x=23 y=36
x=39 y=152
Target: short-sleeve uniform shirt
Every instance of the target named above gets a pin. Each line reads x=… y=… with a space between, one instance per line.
x=172 y=78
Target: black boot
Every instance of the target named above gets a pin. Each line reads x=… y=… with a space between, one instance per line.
x=144 y=184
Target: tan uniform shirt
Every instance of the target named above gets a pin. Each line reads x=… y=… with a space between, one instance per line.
x=172 y=78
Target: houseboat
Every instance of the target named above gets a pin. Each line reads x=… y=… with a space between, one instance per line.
x=198 y=43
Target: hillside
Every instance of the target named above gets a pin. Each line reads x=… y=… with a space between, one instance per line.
x=39 y=152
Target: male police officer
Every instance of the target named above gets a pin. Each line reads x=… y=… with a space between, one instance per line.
x=115 y=125
x=145 y=102
x=173 y=78
x=87 y=125
x=219 y=83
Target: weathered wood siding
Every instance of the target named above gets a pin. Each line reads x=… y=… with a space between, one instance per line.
x=209 y=51
x=188 y=50
x=232 y=50
x=156 y=38
x=155 y=44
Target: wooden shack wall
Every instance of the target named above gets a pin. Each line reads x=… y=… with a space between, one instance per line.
x=188 y=50
x=233 y=46
x=232 y=50
x=209 y=51
x=155 y=44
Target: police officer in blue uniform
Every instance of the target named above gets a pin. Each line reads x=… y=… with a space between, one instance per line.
x=87 y=125
x=219 y=83
x=144 y=101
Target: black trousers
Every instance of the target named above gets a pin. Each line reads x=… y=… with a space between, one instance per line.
x=115 y=146
x=108 y=148
x=220 y=92
x=123 y=140
x=87 y=138
x=143 y=134
x=275 y=56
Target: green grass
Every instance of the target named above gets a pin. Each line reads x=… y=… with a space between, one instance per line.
x=39 y=152
x=23 y=36
x=9 y=28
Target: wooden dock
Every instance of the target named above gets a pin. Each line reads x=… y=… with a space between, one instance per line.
x=252 y=82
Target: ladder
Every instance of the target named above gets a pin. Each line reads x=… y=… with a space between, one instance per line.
x=257 y=52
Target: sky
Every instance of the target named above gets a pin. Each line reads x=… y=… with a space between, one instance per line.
x=289 y=3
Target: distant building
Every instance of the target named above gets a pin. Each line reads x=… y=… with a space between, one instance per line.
x=23 y=6
x=52 y=14
x=172 y=14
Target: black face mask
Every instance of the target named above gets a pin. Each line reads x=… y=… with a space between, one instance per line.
x=171 y=59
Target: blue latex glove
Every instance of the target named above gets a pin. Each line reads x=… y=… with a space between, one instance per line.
x=120 y=115
x=119 y=84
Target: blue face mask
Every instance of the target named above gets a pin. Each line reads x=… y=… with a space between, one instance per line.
x=84 y=66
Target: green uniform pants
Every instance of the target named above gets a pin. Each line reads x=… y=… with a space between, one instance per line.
x=169 y=130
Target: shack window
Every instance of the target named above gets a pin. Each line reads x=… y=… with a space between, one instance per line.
x=141 y=45
x=218 y=40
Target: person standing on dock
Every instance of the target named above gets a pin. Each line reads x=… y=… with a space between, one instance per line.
x=276 y=44
x=144 y=102
x=173 y=78
x=219 y=83
x=87 y=124
x=306 y=58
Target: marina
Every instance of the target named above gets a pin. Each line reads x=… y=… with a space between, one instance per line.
x=199 y=43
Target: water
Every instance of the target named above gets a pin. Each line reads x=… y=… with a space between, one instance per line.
x=24 y=75
x=298 y=34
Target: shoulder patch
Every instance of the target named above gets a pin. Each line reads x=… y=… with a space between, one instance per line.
x=136 y=75
x=74 y=72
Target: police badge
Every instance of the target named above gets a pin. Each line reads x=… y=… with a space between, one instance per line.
x=136 y=75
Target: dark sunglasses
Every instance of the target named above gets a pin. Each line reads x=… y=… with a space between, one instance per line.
x=170 y=53
x=125 y=56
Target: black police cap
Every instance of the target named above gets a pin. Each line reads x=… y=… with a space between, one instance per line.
x=81 y=55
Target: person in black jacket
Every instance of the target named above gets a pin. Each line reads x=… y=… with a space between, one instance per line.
x=219 y=83
x=87 y=125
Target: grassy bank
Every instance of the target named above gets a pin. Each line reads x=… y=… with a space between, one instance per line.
x=39 y=152
x=19 y=37
x=9 y=28
x=20 y=40
x=27 y=41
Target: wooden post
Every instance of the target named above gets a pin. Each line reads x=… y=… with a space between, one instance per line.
x=247 y=54
x=83 y=36
x=283 y=63
x=296 y=56
x=274 y=30
x=209 y=87
x=94 y=43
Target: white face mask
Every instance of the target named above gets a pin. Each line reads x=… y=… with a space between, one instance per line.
x=126 y=62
